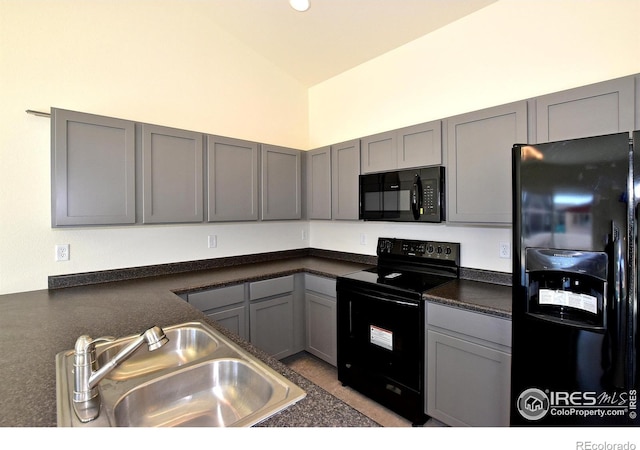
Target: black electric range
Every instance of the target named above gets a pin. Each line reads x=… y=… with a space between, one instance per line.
x=381 y=322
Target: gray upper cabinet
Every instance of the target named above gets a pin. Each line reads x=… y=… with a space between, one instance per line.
x=414 y=146
x=319 y=183
x=479 y=163
x=345 y=169
x=172 y=180
x=420 y=145
x=232 y=179
x=93 y=169
x=592 y=110
x=281 y=183
x=378 y=152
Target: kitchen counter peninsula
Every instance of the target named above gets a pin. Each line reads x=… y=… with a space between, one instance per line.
x=36 y=325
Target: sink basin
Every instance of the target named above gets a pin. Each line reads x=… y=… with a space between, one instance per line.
x=199 y=378
x=218 y=393
x=186 y=344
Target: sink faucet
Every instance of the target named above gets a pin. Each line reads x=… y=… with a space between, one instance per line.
x=86 y=375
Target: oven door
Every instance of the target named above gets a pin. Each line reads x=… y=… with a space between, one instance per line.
x=381 y=347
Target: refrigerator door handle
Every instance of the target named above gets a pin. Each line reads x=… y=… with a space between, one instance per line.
x=619 y=272
x=618 y=307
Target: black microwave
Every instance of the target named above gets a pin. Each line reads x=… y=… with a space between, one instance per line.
x=410 y=195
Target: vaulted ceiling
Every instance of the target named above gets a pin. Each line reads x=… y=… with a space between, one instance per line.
x=332 y=36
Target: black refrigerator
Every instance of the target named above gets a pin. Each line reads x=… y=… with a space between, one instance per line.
x=575 y=338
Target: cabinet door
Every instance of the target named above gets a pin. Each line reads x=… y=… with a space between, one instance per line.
x=420 y=145
x=271 y=325
x=378 y=152
x=232 y=179
x=321 y=323
x=479 y=163
x=319 y=183
x=233 y=319
x=281 y=178
x=467 y=384
x=345 y=169
x=593 y=110
x=172 y=163
x=93 y=169
x=217 y=298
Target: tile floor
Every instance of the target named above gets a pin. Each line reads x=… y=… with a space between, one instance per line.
x=326 y=376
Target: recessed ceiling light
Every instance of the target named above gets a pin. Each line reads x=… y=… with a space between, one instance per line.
x=299 y=5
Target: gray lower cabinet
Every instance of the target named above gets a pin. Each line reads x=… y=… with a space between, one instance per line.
x=281 y=183
x=93 y=169
x=271 y=316
x=232 y=179
x=268 y=313
x=225 y=305
x=172 y=175
x=468 y=367
x=345 y=169
x=414 y=146
x=321 y=318
x=596 y=109
x=479 y=163
x=318 y=181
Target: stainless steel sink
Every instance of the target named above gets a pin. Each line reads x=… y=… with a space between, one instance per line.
x=199 y=378
x=216 y=393
x=187 y=343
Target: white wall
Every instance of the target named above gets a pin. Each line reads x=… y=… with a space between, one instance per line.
x=156 y=61
x=479 y=246
x=153 y=61
x=511 y=50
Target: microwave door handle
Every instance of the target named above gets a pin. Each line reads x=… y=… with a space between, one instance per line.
x=416 y=197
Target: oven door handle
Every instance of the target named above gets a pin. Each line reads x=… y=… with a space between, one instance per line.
x=385 y=297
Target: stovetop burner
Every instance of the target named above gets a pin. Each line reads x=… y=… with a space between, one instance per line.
x=412 y=266
x=418 y=282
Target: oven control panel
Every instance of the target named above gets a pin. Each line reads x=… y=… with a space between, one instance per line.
x=447 y=251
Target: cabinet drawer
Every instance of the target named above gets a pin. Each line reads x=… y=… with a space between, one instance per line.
x=268 y=288
x=322 y=285
x=215 y=298
x=481 y=326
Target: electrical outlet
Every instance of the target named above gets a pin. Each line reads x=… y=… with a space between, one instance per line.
x=62 y=252
x=363 y=239
x=505 y=250
x=213 y=241
x=304 y=235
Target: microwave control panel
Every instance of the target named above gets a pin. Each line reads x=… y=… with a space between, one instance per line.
x=430 y=197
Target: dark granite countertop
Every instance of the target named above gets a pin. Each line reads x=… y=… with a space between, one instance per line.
x=36 y=325
x=476 y=296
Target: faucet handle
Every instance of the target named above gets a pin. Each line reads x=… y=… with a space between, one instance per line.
x=84 y=344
